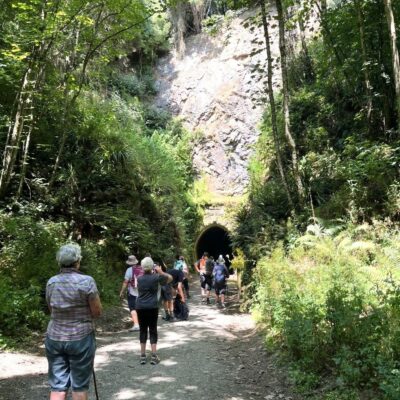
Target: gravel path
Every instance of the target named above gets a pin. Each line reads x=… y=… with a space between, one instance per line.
x=217 y=354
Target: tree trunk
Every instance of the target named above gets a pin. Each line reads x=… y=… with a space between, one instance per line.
x=309 y=70
x=395 y=54
x=24 y=162
x=286 y=99
x=365 y=68
x=24 y=98
x=68 y=104
x=24 y=104
x=271 y=97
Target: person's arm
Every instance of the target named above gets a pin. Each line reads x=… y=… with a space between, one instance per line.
x=95 y=306
x=180 y=291
x=123 y=289
x=196 y=266
x=160 y=272
x=48 y=298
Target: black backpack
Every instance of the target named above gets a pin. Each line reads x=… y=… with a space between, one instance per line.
x=209 y=267
x=181 y=310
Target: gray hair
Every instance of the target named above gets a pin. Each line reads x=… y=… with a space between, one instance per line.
x=147 y=264
x=68 y=255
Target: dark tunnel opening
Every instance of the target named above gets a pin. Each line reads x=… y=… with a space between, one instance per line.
x=215 y=240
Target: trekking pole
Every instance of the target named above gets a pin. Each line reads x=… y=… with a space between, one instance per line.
x=95 y=385
x=93 y=373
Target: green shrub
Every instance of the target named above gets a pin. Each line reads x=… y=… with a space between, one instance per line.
x=333 y=304
x=21 y=310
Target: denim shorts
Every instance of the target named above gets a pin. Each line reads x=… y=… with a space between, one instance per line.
x=70 y=363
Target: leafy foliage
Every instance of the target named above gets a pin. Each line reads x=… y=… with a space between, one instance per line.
x=332 y=304
x=324 y=272
x=104 y=168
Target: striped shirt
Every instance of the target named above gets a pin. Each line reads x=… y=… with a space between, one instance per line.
x=67 y=295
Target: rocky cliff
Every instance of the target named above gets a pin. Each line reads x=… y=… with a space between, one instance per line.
x=213 y=87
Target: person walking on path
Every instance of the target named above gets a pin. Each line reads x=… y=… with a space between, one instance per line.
x=74 y=302
x=168 y=299
x=181 y=265
x=205 y=278
x=129 y=285
x=147 y=306
x=220 y=275
x=177 y=282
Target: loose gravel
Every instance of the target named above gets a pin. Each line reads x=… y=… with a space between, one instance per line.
x=217 y=354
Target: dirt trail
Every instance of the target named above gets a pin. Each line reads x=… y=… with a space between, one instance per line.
x=217 y=354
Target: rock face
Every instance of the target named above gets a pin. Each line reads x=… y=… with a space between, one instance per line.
x=213 y=87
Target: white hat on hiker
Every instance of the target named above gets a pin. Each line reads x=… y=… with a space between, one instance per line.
x=68 y=255
x=132 y=260
x=221 y=259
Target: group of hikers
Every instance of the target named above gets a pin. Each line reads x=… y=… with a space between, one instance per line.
x=74 y=303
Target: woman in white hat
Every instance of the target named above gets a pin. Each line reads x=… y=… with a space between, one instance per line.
x=129 y=284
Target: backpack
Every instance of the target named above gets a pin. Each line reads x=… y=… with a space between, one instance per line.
x=209 y=267
x=220 y=275
x=181 y=310
x=178 y=265
x=137 y=271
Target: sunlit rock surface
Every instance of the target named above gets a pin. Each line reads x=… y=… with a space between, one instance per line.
x=213 y=87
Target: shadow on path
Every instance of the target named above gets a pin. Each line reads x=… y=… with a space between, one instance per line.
x=217 y=354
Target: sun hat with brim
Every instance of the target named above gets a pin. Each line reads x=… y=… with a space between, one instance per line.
x=221 y=260
x=68 y=255
x=132 y=260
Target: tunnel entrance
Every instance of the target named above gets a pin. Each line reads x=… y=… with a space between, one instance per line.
x=215 y=240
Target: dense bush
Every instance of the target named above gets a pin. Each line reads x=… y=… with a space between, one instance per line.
x=332 y=302
x=105 y=168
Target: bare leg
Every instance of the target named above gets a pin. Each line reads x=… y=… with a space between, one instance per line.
x=79 y=395
x=171 y=307
x=222 y=298
x=154 y=348
x=143 y=348
x=58 y=395
x=134 y=317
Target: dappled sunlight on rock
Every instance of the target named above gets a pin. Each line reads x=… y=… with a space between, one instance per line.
x=127 y=394
x=191 y=388
x=169 y=362
x=162 y=379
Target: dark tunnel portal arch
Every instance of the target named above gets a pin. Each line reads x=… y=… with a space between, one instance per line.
x=215 y=240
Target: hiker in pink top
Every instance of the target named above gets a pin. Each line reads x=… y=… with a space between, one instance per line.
x=132 y=273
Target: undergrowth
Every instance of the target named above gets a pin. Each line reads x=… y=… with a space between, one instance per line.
x=331 y=302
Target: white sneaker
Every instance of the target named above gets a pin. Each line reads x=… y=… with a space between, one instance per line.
x=134 y=328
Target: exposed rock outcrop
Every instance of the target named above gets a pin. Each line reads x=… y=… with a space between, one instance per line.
x=213 y=87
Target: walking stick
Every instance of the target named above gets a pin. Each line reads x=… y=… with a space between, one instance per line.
x=94 y=375
x=95 y=385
